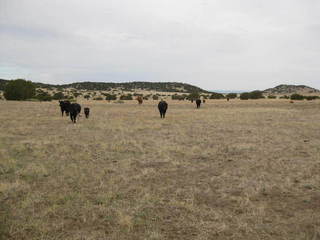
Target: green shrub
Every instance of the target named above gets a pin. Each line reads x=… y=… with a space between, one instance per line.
x=255 y=94
x=19 y=89
x=231 y=95
x=309 y=98
x=87 y=96
x=76 y=94
x=216 y=96
x=296 y=96
x=58 y=96
x=155 y=97
x=272 y=97
x=193 y=96
x=126 y=97
x=177 y=97
x=284 y=97
x=110 y=97
x=251 y=95
x=245 y=96
x=43 y=96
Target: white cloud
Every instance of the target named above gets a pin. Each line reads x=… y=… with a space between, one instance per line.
x=214 y=44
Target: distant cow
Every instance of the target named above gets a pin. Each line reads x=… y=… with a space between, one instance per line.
x=64 y=106
x=162 y=106
x=198 y=102
x=203 y=101
x=139 y=99
x=74 y=110
x=86 y=112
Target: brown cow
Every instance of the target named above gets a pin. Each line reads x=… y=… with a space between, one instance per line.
x=139 y=99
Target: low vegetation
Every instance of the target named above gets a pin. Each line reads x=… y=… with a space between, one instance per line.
x=19 y=89
x=231 y=95
x=229 y=170
x=251 y=95
x=126 y=97
x=217 y=96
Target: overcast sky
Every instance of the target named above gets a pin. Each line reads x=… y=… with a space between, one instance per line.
x=214 y=44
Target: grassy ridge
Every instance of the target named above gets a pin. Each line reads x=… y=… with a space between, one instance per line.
x=129 y=86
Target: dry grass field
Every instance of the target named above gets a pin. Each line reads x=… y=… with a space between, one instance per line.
x=230 y=170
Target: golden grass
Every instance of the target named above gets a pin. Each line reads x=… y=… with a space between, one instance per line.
x=230 y=170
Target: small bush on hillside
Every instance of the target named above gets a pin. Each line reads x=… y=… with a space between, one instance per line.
x=284 y=97
x=245 y=96
x=216 y=96
x=155 y=97
x=177 y=97
x=126 y=97
x=296 y=97
x=255 y=94
x=58 y=96
x=231 y=95
x=43 y=96
x=193 y=96
x=251 y=95
x=76 y=94
x=87 y=96
x=272 y=97
x=309 y=98
x=110 y=97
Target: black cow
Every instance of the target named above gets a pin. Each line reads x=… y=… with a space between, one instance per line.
x=198 y=102
x=86 y=112
x=162 y=106
x=64 y=106
x=74 y=110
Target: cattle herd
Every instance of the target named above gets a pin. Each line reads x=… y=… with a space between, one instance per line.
x=74 y=109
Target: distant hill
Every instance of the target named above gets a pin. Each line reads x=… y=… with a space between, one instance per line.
x=128 y=86
x=290 y=89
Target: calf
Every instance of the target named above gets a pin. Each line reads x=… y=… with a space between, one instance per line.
x=162 y=106
x=86 y=112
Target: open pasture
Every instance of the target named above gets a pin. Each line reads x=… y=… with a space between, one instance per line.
x=229 y=170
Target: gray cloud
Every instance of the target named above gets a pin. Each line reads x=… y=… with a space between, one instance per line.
x=213 y=44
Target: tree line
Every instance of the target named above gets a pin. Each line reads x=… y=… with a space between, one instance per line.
x=21 y=89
